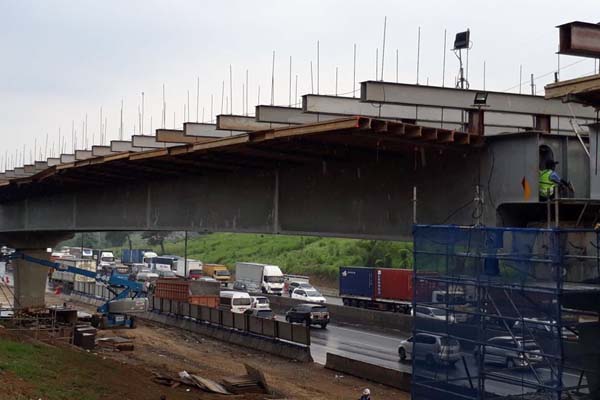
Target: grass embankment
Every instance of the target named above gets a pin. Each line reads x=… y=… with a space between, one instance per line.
x=314 y=256
x=50 y=373
x=39 y=371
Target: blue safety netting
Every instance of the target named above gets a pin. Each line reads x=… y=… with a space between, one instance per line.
x=502 y=312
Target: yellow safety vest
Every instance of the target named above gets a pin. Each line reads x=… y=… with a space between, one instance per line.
x=546 y=184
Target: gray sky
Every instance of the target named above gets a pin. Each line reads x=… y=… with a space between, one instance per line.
x=63 y=59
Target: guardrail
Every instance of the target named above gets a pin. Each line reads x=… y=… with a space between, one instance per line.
x=273 y=329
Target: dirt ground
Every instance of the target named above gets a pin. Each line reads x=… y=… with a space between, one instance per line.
x=169 y=350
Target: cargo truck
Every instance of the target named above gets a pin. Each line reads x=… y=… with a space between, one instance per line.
x=218 y=272
x=261 y=278
x=67 y=279
x=389 y=289
x=137 y=256
x=105 y=259
x=177 y=265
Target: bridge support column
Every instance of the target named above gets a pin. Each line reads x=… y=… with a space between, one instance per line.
x=30 y=278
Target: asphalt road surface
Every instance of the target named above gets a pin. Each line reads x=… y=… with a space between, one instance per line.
x=356 y=343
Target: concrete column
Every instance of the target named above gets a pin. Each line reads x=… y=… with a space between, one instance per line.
x=30 y=280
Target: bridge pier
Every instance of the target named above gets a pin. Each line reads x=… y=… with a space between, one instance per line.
x=29 y=278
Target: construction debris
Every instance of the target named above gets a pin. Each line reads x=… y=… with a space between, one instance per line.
x=253 y=382
x=117 y=343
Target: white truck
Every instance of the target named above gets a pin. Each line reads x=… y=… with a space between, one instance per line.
x=260 y=278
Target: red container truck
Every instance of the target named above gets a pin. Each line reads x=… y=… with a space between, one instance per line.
x=194 y=292
x=384 y=289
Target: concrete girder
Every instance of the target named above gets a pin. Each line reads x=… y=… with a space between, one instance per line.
x=429 y=116
x=29 y=169
x=67 y=158
x=149 y=142
x=202 y=129
x=290 y=115
x=370 y=199
x=242 y=123
x=120 y=146
x=52 y=161
x=83 y=154
x=178 y=136
x=99 y=151
x=40 y=165
x=400 y=93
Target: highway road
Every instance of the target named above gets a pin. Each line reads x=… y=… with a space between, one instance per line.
x=356 y=343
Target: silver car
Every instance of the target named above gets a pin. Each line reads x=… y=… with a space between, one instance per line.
x=433 y=349
x=511 y=352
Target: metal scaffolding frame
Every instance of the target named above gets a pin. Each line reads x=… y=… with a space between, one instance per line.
x=501 y=312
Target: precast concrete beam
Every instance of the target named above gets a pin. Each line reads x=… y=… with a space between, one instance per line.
x=67 y=158
x=20 y=172
x=83 y=154
x=40 y=165
x=433 y=96
x=242 y=123
x=149 y=142
x=436 y=117
x=10 y=173
x=178 y=136
x=52 y=161
x=99 y=151
x=120 y=146
x=290 y=115
x=204 y=130
x=29 y=169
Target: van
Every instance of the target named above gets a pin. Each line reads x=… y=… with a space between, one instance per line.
x=237 y=302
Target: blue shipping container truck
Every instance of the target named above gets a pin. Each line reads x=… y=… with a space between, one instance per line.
x=356 y=281
x=135 y=256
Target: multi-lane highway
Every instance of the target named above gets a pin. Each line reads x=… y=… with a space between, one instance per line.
x=357 y=343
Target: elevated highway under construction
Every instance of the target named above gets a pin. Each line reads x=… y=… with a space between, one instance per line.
x=400 y=157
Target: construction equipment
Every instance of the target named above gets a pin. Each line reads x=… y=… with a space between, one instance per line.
x=116 y=311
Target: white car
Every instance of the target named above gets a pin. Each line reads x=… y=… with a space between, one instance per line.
x=432 y=313
x=511 y=352
x=310 y=295
x=433 y=349
x=260 y=303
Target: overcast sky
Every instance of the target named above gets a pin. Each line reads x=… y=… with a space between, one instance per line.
x=63 y=59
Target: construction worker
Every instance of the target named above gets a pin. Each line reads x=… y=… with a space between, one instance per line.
x=550 y=181
x=366 y=394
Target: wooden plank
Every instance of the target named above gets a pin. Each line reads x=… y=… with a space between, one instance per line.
x=576 y=86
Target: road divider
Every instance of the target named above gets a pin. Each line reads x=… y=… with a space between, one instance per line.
x=352 y=315
x=280 y=338
x=375 y=373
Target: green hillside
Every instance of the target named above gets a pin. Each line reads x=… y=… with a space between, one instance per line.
x=306 y=255
x=319 y=257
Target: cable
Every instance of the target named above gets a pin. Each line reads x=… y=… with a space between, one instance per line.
x=547 y=74
x=453 y=213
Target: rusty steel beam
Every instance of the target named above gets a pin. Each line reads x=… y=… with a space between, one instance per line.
x=580 y=39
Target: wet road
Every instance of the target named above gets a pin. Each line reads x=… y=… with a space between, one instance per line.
x=356 y=343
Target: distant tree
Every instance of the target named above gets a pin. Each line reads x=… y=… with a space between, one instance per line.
x=117 y=238
x=154 y=238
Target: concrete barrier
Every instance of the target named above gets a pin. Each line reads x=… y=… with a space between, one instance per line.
x=271 y=346
x=265 y=344
x=375 y=373
x=352 y=315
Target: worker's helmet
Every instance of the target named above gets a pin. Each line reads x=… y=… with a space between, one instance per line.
x=366 y=392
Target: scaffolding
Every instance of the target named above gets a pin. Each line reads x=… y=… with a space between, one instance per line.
x=505 y=313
